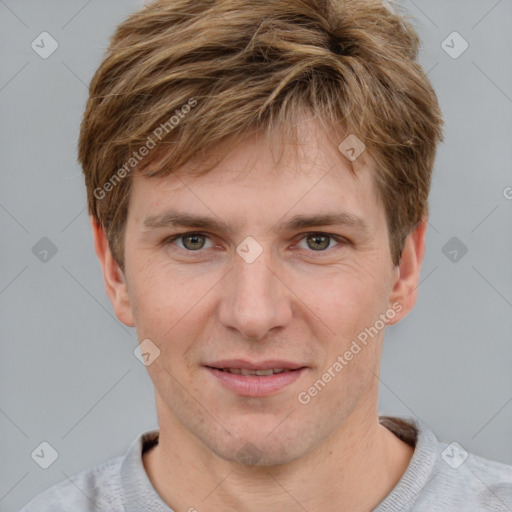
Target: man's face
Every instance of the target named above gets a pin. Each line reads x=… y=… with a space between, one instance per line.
x=298 y=305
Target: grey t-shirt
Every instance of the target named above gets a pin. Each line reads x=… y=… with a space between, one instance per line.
x=439 y=478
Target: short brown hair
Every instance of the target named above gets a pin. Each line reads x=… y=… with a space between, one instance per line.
x=223 y=68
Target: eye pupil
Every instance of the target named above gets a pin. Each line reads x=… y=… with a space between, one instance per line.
x=196 y=239
x=320 y=241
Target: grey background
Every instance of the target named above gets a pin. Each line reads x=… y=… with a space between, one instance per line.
x=68 y=373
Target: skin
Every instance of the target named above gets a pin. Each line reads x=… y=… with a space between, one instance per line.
x=294 y=302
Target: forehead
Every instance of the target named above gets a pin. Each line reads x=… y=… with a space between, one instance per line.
x=255 y=178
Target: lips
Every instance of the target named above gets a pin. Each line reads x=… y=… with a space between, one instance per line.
x=260 y=373
x=255 y=379
x=262 y=368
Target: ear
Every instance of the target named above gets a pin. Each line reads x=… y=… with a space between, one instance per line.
x=115 y=283
x=405 y=281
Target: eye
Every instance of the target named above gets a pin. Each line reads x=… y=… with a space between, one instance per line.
x=318 y=241
x=190 y=241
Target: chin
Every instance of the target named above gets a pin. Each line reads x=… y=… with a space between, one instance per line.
x=258 y=455
x=258 y=448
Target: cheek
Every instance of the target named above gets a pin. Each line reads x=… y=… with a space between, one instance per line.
x=163 y=295
x=347 y=299
x=172 y=310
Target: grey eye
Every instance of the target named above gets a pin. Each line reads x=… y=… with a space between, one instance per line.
x=318 y=242
x=193 y=241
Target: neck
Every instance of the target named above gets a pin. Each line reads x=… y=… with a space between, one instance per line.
x=352 y=470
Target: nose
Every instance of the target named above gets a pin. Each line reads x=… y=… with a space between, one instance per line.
x=255 y=299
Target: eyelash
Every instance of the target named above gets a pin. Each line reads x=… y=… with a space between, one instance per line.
x=339 y=240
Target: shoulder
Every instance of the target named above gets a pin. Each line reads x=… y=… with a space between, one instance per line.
x=479 y=483
x=92 y=489
x=443 y=476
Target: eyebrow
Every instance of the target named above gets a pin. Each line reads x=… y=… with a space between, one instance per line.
x=174 y=218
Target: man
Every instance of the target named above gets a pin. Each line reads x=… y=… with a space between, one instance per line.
x=258 y=177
